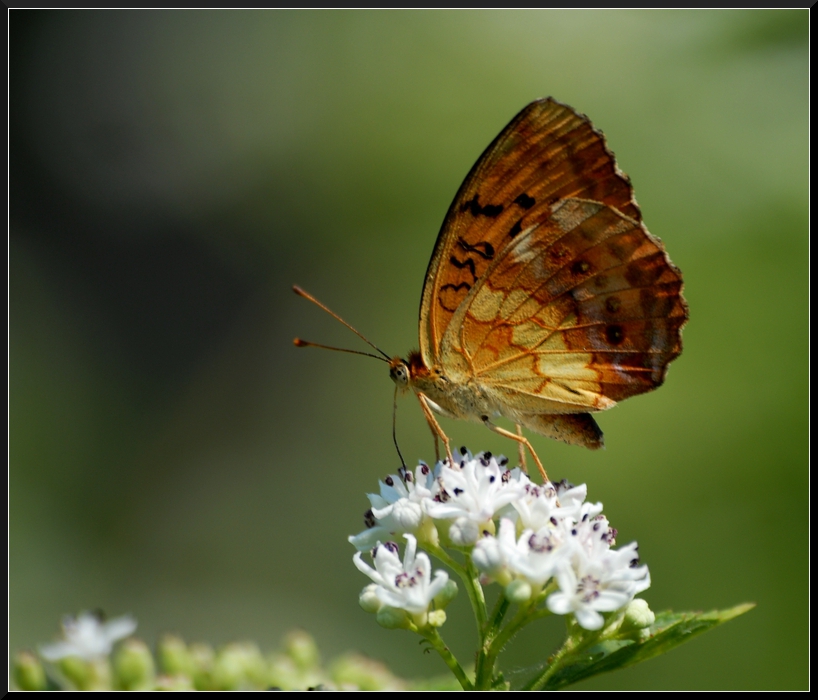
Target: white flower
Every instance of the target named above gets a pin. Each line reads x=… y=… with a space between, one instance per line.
x=475 y=489
x=88 y=637
x=489 y=557
x=464 y=532
x=397 y=508
x=544 y=505
x=535 y=554
x=408 y=585
x=592 y=583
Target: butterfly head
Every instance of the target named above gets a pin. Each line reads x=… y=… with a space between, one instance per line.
x=399 y=372
x=405 y=373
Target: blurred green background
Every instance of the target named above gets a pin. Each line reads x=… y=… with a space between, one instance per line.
x=172 y=455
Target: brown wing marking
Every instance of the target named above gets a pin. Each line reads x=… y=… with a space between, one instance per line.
x=581 y=312
x=547 y=153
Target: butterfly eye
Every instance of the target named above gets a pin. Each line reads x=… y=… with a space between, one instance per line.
x=399 y=374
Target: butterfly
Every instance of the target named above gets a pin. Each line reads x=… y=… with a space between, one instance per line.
x=546 y=298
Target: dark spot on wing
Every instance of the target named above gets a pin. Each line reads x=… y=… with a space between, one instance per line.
x=483 y=249
x=473 y=205
x=613 y=304
x=469 y=263
x=580 y=267
x=615 y=335
x=525 y=201
x=516 y=229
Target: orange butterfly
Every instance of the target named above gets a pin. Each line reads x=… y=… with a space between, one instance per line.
x=546 y=297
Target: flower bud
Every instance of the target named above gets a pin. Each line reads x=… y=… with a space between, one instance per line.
x=302 y=649
x=229 y=669
x=428 y=534
x=392 y=618
x=447 y=595
x=133 y=666
x=436 y=618
x=86 y=675
x=203 y=658
x=638 y=616
x=518 y=591
x=463 y=532
x=283 y=673
x=28 y=672
x=369 y=600
x=173 y=656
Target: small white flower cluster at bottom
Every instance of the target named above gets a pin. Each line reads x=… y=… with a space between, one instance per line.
x=531 y=539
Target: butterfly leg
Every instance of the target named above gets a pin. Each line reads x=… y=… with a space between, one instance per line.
x=521 y=449
x=437 y=431
x=520 y=440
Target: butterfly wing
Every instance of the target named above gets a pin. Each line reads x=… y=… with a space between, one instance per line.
x=545 y=289
x=576 y=313
x=547 y=153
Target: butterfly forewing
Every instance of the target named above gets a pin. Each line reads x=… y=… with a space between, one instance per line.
x=577 y=308
x=547 y=153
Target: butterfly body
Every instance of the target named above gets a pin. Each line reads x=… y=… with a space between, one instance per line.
x=460 y=396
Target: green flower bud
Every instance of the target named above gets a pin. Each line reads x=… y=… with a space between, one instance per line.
x=228 y=669
x=436 y=618
x=255 y=666
x=203 y=658
x=447 y=595
x=637 y=617
x=86 y=675
x=284 y=674
x=240 y=665
x=392 y=618
x=518 y=591
x=427 y=534
x=133 y=666
x=29 y=673
x=302 y=649
x=369 y=600
x=174 y=657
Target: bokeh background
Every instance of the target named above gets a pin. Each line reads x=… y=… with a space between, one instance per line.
x=172 y=455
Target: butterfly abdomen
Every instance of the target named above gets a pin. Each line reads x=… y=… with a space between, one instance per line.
x=572 y=428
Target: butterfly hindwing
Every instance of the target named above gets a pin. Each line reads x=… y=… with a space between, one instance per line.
x=578 y=312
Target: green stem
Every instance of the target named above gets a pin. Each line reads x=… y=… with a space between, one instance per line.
x=538 y=682
x=496 y=641
x=499 y=640
x=569 y=651
x=499 y=612
x=434 y=638
x=473 y=584
x=484 y=667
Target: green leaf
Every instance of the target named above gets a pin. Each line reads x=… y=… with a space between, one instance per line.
x=668 y=631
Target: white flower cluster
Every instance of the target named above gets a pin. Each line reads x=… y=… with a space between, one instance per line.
x=526 y=537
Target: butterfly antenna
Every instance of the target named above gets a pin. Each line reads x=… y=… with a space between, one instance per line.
x=394 y=430
x=299 y=343
x=303 y=343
